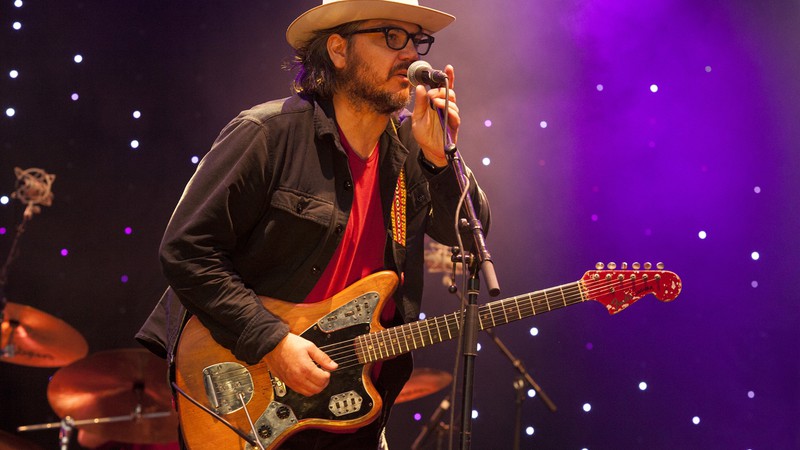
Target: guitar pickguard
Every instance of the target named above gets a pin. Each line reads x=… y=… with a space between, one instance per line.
x=346 y=397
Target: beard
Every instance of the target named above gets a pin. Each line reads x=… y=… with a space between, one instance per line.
x=362 y=86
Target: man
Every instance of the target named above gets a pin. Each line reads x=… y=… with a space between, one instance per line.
x=300 y=197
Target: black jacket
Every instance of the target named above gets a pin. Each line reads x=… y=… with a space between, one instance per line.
x=265 y=212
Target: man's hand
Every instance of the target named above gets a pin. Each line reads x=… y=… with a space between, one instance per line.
x=294 y=360
x=425 y=122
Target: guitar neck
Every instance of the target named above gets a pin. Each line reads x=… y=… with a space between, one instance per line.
x=395 y=341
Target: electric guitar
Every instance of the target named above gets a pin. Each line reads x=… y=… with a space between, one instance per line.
x=347 y=328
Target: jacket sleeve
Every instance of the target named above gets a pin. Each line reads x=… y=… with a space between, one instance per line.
x=220 y=205
x=445 y=193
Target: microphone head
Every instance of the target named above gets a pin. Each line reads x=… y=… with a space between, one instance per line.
x=416 y=72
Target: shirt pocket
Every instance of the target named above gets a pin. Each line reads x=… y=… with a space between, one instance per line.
x=302 y=206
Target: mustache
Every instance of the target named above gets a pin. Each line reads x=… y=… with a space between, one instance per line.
x=400 y=67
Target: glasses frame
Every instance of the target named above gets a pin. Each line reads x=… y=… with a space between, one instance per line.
x=416 y=38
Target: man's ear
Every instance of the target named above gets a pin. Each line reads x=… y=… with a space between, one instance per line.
x=337 y=50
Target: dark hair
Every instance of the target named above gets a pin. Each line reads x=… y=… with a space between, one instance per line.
x=316 y=74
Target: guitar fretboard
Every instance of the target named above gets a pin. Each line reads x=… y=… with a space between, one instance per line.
x=395 y=341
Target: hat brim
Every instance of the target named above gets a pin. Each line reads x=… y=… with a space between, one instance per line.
x=337 y=13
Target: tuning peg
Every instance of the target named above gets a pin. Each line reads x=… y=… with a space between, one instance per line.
x=660 y=265
x=612 y=265
x=648 y=266
x=636 y=266
x=624 y=266
x=599 y=266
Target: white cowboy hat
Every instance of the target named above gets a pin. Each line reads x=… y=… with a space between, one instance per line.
x=336 y=12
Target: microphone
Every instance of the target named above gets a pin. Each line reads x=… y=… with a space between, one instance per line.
x=420 y=72
x=432 y=423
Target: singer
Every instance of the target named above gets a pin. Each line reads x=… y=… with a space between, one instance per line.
x=299 y=198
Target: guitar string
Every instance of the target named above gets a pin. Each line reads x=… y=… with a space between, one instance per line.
x=531 y=304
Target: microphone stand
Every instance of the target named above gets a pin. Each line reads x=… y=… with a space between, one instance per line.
x=483 y=262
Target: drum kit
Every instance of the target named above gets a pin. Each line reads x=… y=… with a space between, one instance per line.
x=114 y=396
x=119 y=396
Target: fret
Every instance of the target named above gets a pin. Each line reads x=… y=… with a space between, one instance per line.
x=378 y=343
x=546 y=300
x=395 y=340
x=505 y=314
x=438 y=330
x=491 y=314
x=428 y=327
x=449 y=336
x=516 y=305
x=421 y=335
x=563 y=297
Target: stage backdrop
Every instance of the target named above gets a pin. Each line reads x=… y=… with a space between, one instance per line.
x=611 y=131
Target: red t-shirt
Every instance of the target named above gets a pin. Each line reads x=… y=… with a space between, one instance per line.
x=360 y=252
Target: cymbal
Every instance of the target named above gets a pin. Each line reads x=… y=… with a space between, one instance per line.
x=112 y=384
x=39 y=339
x=423 y=382
x=9 y=441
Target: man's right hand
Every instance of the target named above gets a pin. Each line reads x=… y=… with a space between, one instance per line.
x=294 y=360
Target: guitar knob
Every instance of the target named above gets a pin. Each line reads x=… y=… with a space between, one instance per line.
x=599 y=266
x=282 y=412
x=648 y=266
x=660 y=265
x=636 y=266
x=264 y=432
x=612 y=265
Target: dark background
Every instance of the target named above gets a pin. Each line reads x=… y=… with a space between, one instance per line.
x=587 y=164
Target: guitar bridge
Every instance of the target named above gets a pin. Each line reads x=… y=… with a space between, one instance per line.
x=224 y=382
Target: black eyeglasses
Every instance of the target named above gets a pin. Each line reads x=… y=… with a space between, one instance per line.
x=397 y=38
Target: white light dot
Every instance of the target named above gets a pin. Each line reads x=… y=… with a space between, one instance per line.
x=534 y=331
x=486 y=161
x=757 y=189
x=474 y=413
x=74 y=96
x=16 y=25
x=754 y=283
x=134 y=144
x=422 y=316
x=696 y=420
x=531 y=393
x=137 y=114
x=653 y=88
x=10 y=112
x=708 y=68
x=196 y=160
x=702 y=234
x=755 y=256
x=13 y=73
x=587 y=407
x=78 y=59
x=479 y=346
x=642 y=386
x=543 y=124
x=599 y=88
x=751 y=394
x=529 y=431
x=4 y=200
x=487 y=123
x=18 y=3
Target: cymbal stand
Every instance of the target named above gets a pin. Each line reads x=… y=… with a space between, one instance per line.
x=65 y=432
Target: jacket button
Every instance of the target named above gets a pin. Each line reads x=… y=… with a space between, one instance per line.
x=420 y=198
x=299 y=208
x=339 y=229
x=315 y=270
x=348 y=185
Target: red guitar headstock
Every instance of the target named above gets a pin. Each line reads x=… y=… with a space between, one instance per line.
x=618 y=289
